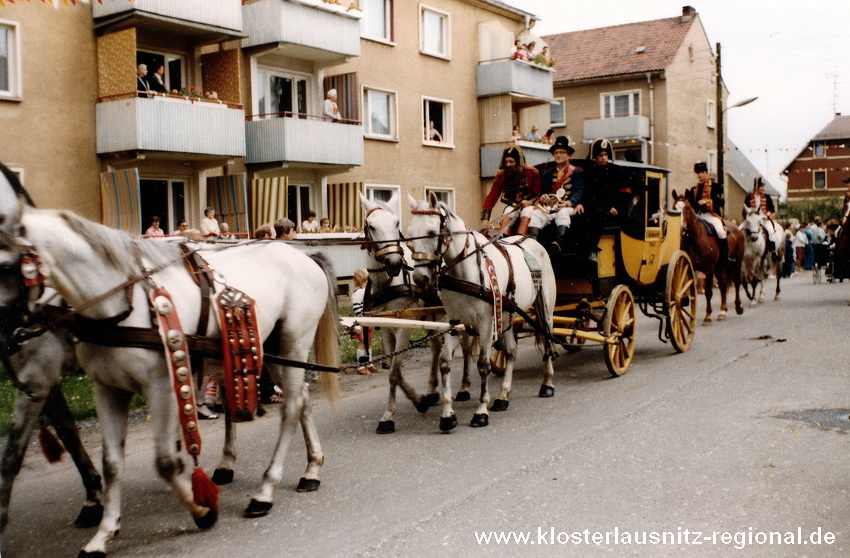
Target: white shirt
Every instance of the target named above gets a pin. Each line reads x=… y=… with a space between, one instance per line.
x=331 y=109
x=307 y=226
x=209 y=226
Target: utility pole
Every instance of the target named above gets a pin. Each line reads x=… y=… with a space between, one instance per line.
x=721 y=179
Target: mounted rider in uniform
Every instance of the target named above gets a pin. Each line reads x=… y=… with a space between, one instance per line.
x=707 y=200
x=517 y=185
x=762 y=203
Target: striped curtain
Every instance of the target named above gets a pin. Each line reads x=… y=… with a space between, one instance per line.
x=268 y=200
x=348 y=90
x=227 y=195
x=344 y=208
x=120 y=199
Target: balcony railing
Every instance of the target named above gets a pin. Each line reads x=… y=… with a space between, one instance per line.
x=621 y=127
x=491 y=155
x=178 y=125
x=508 y=76
x=222 y=14
x=305 y=29
x=304 y=139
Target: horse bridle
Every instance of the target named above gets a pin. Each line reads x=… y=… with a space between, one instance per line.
x=425 y=259
x=392 y=246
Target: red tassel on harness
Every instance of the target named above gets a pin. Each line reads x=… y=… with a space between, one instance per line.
x=204 y=491
x=50 y=445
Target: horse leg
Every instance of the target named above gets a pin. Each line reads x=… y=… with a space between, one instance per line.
x=433 y=397
x=315 y=458
x=547 y=388
x=777 y=272
x=57 y=410
x=723 y=287
x=466 y=343
x=709 y=288
x=502 y=400
x=223 y=473
x=395 y=340
x=448 y=419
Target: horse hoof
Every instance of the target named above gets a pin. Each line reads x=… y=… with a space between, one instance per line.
x=257 y=509
x=90 y=516
x=706 y=321
x=307 y=485
x=740 y=309
x=448 y=424
x=753 y=304
x=422 y=406
x=721 y=317
x=222 y=476
x=546 y=391
x=480 y=420
x=432 y=399
x=84 y=554
x=500 y=405
x=385 y=427
x=776 y=297
x=207 y=521
x=462 y=396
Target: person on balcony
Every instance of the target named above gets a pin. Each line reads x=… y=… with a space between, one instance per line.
x=534 y=134
x=154 y=229
x=310 y=224
x=209 y=224
x=330 y=108
x=142 y=86
x=516 y=184
x=156 y=80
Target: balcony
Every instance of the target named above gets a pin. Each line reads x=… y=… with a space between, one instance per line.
x=621 y=127
x=491 y=155
x=303 y=29
x=165 y=124
x=304 y=142
x=201 y=21
x=514 y=77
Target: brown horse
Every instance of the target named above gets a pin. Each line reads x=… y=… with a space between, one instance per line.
x=703 y=250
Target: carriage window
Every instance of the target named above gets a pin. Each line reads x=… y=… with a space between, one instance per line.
x=445 y=195
x=10 y=62
x=820 y=180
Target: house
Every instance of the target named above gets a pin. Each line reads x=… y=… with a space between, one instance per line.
x=649 y=87
x=819 y=169
x=742 y=176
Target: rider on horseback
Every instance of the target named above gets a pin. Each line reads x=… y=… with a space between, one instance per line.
x=707 y=200
x=762 y=203
x=517 y=184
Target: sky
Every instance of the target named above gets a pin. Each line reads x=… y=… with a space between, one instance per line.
x=794 y=56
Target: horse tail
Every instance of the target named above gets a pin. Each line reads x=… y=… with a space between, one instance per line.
x=326 y=341
x=545 y=301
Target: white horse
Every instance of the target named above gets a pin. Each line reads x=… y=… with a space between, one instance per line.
x=440 y=235
x=391 y=289
x=295 y=308
x=758 y=262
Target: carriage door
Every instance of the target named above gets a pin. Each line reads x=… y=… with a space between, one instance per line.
x=652 y=221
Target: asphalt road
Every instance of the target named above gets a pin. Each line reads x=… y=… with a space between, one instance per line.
x=707 y=451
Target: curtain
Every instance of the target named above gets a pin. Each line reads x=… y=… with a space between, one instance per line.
x=348 y=90
x=228 y=196
x=120 y=197
x=344 y=207
x=268 y=200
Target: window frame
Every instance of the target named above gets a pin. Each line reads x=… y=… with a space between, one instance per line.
x=167 y=57
x=711 y=161
x=448 y=129
x=367 y=119
x=389 y=39
x=14 y=66
x=710 y=114
x=370 y=189
x=562 y=101
x=445 y=190
x=447 y=32
x=815 y=175
x=268 y=72
x=818 y=149
x=612 y=94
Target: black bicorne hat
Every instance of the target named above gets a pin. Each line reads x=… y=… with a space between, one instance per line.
x=700 y=167
x=562 y=142
x=600 y=145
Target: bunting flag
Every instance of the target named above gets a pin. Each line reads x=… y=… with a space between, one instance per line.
x=627 y=142
x=120 y=196
x=228 y=196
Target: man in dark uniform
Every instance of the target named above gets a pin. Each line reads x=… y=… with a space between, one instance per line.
x=707 y=200
x=607 y=196
x=759 y=201
x=517 y=185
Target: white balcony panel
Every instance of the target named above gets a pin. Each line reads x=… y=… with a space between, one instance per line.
x=514 y=76
x=174 y=125
x=303 y=30
x=296 y=140
x=622 y=127
x=226 y=14
x=491 y=155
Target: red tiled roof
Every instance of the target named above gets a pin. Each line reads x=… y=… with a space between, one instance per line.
x=839 y=128
x=611 y=51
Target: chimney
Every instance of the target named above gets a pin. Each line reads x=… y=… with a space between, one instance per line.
x=688 y=13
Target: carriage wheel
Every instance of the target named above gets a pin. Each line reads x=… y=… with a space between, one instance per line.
x=680 y=301
x=620 y=323
x=498 y=362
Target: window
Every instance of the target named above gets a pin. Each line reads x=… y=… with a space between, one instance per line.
x=164 y=198
x=377 y=20
x=383 y=193
x=281 y=95
x=379 y=108
x=710 y=114
x=174 y=76
x=712 y=162
x=445 y=195
x=437 y=122
x=433 y=32
x=818 y=149
x=297 y=203
x=615 y=105
x=820 y=180
x=557 y=116
x=10 y=61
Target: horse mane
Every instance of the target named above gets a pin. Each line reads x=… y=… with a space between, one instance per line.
x=118 y=248
x=16 y=184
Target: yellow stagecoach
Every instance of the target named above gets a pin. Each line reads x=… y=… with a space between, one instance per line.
x=640 y=263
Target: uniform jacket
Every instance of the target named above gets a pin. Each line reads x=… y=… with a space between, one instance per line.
x=606 y=187
x=766 y=204
x=696 y=193
x=573 y=185
x=513 y=193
